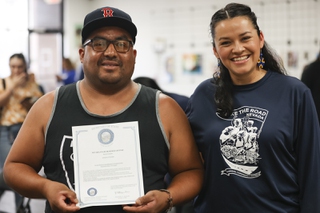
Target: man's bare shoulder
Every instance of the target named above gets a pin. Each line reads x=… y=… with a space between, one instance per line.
x=42 y=108
x=171 y=113
x=47 y=99
x=168 y=103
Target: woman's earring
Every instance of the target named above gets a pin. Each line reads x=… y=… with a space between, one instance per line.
x=261 y=61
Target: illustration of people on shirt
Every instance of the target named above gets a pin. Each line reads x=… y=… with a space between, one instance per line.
x=239 y=142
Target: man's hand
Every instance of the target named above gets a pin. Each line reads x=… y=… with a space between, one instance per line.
x=154 y=201
x=61 y=198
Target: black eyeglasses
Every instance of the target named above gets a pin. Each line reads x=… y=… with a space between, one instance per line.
x=101 y=44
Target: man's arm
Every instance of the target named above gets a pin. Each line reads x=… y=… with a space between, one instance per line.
x=185 y=165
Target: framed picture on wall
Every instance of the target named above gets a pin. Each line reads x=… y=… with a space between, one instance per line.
x=292 y=59
x=192 y=63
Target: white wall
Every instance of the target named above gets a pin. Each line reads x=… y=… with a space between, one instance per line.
x=13 y=31
x=183 y=25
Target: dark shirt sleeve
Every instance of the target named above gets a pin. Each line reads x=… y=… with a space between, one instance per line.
x=306 y=76
x=308 y=151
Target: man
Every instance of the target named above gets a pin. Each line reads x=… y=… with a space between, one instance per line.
x=311 y=77
x=105 y=95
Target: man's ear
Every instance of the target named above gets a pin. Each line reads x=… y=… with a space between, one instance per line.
x=81 y=53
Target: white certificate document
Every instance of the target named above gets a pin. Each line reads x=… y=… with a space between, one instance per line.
x=107 y=164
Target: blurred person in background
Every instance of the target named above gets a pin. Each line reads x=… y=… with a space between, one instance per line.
x=68 y=75
x=180 y=99
x=18 y=92
x=311 y=77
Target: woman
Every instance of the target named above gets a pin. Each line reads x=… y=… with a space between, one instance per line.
x=68 y=72
x=18 y=92
x=255 y=127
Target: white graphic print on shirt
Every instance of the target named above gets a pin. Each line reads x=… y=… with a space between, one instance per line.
x=66 y=159
x=239 y=142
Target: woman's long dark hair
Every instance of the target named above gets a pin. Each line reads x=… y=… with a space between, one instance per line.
x=224 y=92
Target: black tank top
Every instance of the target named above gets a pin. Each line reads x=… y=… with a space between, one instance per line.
x=69 y=110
